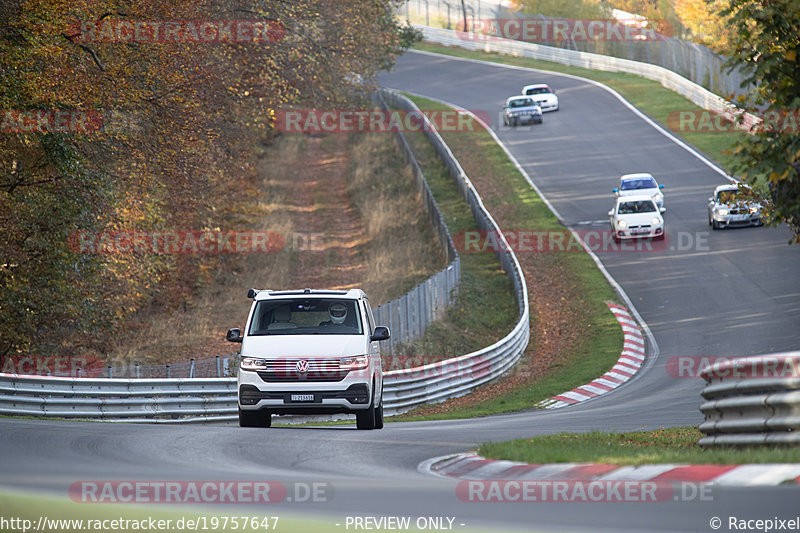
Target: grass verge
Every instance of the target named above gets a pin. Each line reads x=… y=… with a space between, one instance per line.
x=67 y=516
x=648 y=96
x=673 y=445
x=485 y=309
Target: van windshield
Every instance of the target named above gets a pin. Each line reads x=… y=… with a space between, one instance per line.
x=306 y=316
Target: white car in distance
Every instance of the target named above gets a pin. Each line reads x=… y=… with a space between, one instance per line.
x=543 y=95
x=638 y=184
x=636 y=217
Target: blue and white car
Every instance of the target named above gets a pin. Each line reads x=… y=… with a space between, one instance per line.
x=521 y=109
x=543 y=95
x=638 y=184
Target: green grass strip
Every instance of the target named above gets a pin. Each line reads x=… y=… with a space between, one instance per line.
x=673 y=445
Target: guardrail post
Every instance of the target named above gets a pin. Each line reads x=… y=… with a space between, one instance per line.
x=137 y=371
x=191 y=368
x=168 y=376
x=110 y=372
x=218 y=369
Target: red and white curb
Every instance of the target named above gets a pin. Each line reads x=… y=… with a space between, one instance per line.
x=468 y=466
x=629 y=362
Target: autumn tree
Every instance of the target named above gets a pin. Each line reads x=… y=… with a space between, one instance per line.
x=660 y=14
x=177 y=122
x=766 y=42
x=704 y=24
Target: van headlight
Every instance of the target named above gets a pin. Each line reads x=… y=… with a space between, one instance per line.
x=253 y=364
x=657 y=221
x=354 y=363
x=622 y=224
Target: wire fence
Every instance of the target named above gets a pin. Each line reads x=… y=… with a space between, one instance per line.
x=490 y=19
x=408 y=316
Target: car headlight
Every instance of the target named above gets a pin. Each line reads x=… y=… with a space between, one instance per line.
x=253 y=364
x=722 y=211
x=754 y=209
x=622 y=224
x=354 y=363
x=657 y=221
x=658 y=197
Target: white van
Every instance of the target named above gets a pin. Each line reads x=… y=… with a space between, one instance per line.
x=310 y=352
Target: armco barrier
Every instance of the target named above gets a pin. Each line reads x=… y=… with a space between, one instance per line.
x=669 y=79
x=212 y=399
x=752 y=400
x=196 y=399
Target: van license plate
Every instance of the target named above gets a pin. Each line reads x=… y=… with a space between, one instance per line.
x=302 y=397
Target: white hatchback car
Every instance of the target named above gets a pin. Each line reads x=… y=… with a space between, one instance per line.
x=310 y=352
x=635 y=217
x=543 y=95
x=641 y=183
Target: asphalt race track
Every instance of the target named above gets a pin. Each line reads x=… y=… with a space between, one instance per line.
x=735 y=293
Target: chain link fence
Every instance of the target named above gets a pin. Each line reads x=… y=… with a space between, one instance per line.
x=408 y=316
x=693 y=61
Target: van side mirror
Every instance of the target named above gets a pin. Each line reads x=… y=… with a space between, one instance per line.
x=381 y=333
x=234 y=335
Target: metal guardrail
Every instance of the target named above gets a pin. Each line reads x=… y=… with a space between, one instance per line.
x=669 y=79
x=115 y=399
x=752 y=400
x=210 y=400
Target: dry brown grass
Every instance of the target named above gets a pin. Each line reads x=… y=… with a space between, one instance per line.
x=388 y=246
x=402 y=249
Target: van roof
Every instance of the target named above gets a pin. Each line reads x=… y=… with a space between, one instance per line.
x=266 y=294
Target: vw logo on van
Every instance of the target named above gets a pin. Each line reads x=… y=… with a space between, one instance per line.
x=302 y=366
